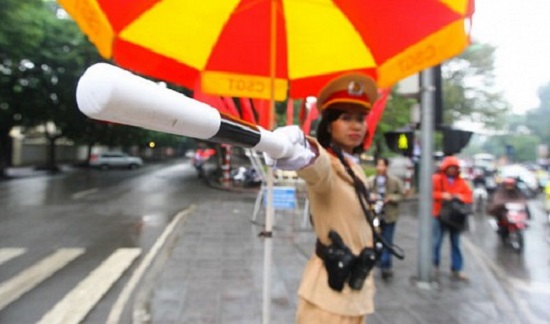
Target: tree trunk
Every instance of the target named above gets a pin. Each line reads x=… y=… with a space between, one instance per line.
x=89 y=153
x=377 y=150
x=51 y=164
x=5 y=151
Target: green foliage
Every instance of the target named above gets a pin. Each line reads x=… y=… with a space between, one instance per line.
x=165 y=140
x=281 y=112
x=468 y=94
x=42 y=59
x=469 y=88
x=369 y=170
x=18 y=42
x=538 y=120
x=21 y=32
x=524 y=132
x=396 y=115
x=523 y=144
x=14 y=15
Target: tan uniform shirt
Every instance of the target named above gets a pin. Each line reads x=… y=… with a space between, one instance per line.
x=335 y=205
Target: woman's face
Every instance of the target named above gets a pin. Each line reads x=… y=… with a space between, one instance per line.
x=452 y=171
x=348 y=131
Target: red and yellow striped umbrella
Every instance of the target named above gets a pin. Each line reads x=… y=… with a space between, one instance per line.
x=236 y=48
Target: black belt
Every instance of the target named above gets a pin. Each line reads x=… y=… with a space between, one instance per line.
x=320 y=249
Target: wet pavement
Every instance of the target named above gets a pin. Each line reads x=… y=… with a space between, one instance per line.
x=214 y=274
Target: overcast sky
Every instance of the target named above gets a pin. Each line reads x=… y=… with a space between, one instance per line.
x=521 y=31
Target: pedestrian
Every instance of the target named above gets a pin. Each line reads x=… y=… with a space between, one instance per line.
x=332 y=290
x=447 y=185
x=202 y=154
x=386 y=191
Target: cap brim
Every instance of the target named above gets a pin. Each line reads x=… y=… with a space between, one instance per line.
x=348 y=105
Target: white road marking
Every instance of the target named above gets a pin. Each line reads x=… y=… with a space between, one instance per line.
x=530 y=286
x=82 y=194
x=509 y=282
x=15 y=287
x=118 y=306
x=74 y=307
x=533 y=286
x=7 y=254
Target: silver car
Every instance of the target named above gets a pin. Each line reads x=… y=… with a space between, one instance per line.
x=109 y=160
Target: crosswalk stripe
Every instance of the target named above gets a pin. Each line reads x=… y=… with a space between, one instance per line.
x=118 y=306
x=79 y=301
x=15 y=287
x=7 y=254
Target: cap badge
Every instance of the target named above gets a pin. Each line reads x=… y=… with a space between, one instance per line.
x=355 y=89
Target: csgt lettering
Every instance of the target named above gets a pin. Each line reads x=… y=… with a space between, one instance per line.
x=418 y=58
x=246 y=85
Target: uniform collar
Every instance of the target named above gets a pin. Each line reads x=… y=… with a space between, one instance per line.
x=347 y=156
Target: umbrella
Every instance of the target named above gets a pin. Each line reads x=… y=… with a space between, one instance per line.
x=269 y=49
x=236 y=49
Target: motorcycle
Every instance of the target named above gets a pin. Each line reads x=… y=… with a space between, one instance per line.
x=547 y=201
x=512 y=224
x=490 y=184
x=246 y=177
x=484 y=186
x=480 y=197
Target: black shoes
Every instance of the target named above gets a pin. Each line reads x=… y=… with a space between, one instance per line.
x=459 y=275
x=387 y=274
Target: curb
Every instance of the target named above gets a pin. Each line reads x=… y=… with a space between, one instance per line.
x=147 y=272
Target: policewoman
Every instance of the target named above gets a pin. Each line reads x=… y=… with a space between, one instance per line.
x=337 y=285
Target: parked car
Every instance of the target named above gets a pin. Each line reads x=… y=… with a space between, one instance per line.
x=109 y=160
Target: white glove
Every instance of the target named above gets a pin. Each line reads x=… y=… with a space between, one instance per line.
x=301 y=154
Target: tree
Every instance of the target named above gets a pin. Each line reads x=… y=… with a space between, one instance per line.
x=21 y=32
x=538 y=119
x=468 y=94
x=39 y=72
x=469 y=88
x=396 y=116
x=64 y=54
x=524 y=146
x=524 y=132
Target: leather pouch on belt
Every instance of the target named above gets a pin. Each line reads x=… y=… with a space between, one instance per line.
x=338 y=260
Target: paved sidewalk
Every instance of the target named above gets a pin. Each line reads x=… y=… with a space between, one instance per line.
x=33 y=171
x=214 y=273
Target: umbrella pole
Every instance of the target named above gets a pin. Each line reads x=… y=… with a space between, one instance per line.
x=269 y=214
x=268 y=248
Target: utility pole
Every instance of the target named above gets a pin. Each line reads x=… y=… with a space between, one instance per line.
x=427 y=103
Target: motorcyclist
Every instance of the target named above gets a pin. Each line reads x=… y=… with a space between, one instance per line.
x=507 y=192
x=478 y=175
x=202 y=154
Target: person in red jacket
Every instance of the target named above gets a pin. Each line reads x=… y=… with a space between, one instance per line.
x=447 y=184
